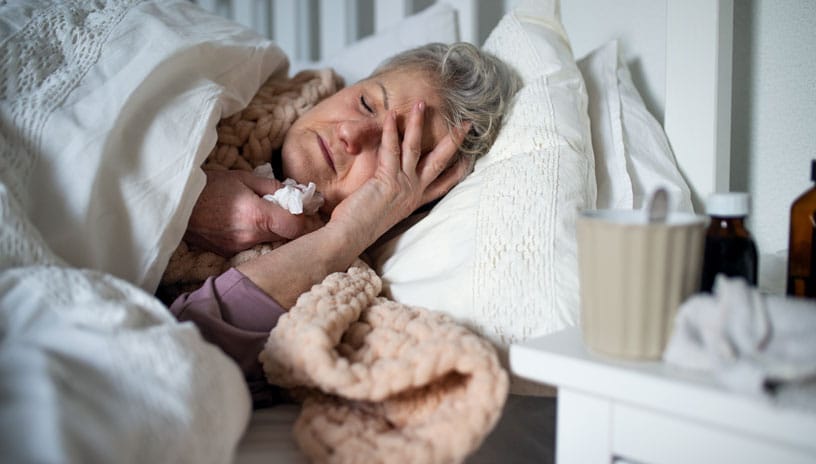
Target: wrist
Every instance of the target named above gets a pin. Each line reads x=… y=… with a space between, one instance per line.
x=348 y=238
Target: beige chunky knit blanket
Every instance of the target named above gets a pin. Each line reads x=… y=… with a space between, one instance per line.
x=383 y=382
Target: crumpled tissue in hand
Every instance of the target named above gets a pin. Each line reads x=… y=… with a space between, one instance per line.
x=295 y=198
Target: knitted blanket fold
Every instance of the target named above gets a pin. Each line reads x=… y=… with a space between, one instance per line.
x=382 y=381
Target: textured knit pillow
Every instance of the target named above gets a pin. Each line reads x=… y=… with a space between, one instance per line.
x=498 y=253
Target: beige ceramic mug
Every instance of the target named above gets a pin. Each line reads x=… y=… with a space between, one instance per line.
x=633 y=275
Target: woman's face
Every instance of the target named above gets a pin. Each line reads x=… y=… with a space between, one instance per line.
x=336 y=143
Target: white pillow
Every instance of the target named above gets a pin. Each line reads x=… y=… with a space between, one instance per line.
x=122 y=125
x=632 y=153
x=437 y=23
x=498 y=253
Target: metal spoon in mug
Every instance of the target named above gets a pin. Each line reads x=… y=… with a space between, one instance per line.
x=657 y=208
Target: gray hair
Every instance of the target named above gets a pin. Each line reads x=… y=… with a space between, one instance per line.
x=473 y=85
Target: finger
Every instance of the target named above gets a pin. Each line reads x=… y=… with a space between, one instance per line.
x=460 y=133
x=259 y=184
x=278 y=223
x=302 y=225
x=389 y=147
x=448 y=179
x=439 y=159
x=412 y=143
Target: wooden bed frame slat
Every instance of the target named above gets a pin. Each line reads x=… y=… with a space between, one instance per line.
x=339 y=25
x=390 y=12
x=698 y=91
x=290 y=28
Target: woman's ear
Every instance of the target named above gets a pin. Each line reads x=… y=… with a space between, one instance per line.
x=469 y=161
x=461 y=134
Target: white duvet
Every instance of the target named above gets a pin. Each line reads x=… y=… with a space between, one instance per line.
x=106 y=111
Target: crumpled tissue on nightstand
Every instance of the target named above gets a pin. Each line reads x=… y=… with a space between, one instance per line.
x=295 y=198
x=753 y=342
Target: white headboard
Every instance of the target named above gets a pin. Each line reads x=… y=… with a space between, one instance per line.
x=679 y=52
x=314 y=29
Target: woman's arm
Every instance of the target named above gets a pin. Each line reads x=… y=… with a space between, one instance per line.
x=404 y=180
x=291 y=269
x=234 y=314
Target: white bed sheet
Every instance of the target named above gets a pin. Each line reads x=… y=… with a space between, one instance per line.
x=268 y=437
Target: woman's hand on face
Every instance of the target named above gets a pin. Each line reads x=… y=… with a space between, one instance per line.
x=405 y=179
x=230 y=215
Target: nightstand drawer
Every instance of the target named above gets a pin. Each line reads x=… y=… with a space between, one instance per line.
x=648 y=436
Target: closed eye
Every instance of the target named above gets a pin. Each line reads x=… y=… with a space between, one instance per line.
x=365 y=104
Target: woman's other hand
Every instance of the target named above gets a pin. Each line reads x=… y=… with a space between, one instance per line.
x=230 y=215
x=405 y=179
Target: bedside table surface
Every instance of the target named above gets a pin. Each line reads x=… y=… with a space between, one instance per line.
x=561 y=360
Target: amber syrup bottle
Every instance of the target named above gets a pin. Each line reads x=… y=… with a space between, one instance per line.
x=729 y=246
x=801 y=249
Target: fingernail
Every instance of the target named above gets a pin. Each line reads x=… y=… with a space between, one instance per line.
x=420 y=106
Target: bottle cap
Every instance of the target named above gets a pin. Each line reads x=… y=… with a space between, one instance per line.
x=731 y=204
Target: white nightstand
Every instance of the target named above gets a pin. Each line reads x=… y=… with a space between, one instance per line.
x=650 y=412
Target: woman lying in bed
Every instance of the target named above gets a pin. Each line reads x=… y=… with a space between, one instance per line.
x=377 y=151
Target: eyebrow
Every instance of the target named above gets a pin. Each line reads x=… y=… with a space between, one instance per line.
x=385 y=94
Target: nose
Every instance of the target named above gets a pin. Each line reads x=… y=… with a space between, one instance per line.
x=359 y=135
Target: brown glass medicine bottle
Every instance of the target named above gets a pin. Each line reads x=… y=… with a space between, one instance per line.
x=801 y=249
x=729 y=246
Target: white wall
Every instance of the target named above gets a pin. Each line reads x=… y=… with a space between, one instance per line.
x=774 y=112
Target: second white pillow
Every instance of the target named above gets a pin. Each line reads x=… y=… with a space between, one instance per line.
x=632 y=152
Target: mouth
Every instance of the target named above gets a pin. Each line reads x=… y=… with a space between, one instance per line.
x=327 y=155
